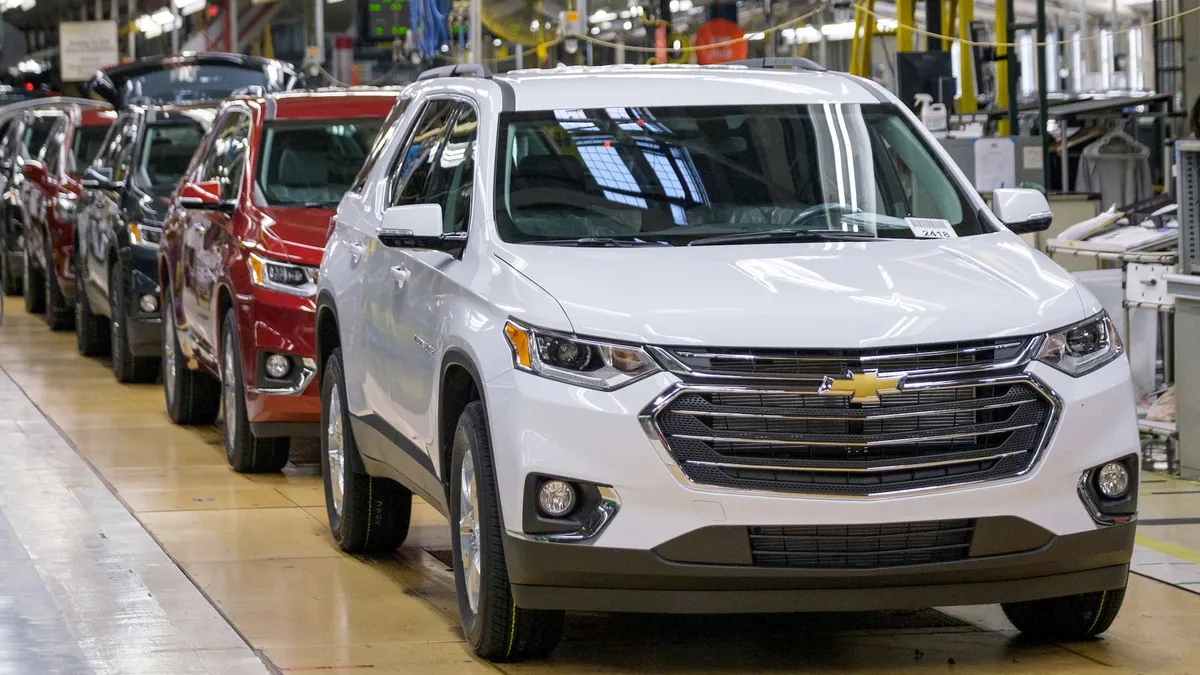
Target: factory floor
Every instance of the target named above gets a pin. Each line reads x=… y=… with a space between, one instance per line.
x=128 y=546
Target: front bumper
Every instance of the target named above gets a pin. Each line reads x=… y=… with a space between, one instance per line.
x=591 y=578
x=595 y=437
x=281 y=324
x=144 y=329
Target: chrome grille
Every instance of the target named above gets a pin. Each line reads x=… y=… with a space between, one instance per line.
x=940 y=429
x=861 y=546
x=814 y=365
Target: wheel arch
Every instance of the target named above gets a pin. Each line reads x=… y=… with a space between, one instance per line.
x=459 y=384
x=328 y=333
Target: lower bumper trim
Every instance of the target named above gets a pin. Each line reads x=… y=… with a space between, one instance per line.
x=818 y=600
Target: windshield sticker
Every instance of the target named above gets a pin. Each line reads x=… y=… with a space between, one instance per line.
x=931 y=228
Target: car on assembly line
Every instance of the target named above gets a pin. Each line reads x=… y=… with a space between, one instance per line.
x=735 y=338
x=53 y=189
x=24 y=127
x=165 y=105
x=238 y=263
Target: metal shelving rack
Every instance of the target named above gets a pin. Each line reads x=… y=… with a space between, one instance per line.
x=1163 y=431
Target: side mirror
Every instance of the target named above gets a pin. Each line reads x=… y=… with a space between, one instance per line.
x=419 y=226
x=203 y=196
x=1022 y=210
x=35 y=171
x=100 y=178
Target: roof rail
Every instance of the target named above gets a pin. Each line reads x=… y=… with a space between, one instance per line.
x=457 y=70
x=771 y=63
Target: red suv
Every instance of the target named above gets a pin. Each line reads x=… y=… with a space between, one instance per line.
x=238 y=264
x=52 y=199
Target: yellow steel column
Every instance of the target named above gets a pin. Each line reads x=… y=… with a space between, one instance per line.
x=856 y=44
x=966 y=14
x=1002 y=63
x=906 y=17
x=864 y=36
x=949 y=19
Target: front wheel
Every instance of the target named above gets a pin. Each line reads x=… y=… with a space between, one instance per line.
x=246 y=452
x=192 y=396
x=35 y=294
x=496 y=627
x=1072 y=617
x=58 y=315
x=91 y=331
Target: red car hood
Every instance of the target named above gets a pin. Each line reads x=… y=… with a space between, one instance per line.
x=295 y=235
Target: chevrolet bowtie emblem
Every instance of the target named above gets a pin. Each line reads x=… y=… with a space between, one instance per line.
x=864 y=387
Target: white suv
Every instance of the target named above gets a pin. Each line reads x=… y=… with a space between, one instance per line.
x=714 y=339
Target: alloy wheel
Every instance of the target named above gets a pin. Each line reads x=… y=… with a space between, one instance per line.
x=468 y=532
x=169 y=366
x=228 y=393
x=335 y=451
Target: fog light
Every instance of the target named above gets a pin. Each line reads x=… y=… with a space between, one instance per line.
x=556 y=498
x=278 y=366
x=148 y=303
x=1113 y=480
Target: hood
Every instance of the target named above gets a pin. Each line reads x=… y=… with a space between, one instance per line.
x=820 y=295
x=295 y=234
x=150 y=79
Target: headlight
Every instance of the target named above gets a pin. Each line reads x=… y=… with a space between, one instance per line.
x=1080 y=349
x=588 y=363
x=283 y=277
x=141 y=234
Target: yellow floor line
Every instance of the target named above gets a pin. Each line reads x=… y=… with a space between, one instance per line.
x=1168 y=548
x=1174 y=478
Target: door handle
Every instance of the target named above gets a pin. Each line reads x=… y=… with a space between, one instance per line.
x=400 y=275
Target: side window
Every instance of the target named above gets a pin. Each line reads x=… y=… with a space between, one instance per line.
x=453 y=174
x=415 y=160
x=226 y=159
x=391 y=127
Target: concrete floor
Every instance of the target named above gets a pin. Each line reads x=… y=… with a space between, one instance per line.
x=197 y=569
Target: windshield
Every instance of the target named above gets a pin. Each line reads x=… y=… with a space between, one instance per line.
x=313 y=163
x=199 y=83
x=35 y=135
x=678 y=175
x=85 y=145
x=167 y=149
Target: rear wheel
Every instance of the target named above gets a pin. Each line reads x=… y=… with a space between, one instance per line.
x=246 y=452
x=31 y=285
x=495 y=626
x=58 y=315
x=126 y=367
x=91 y=331
x=1072 y=617
x=366 y=514
x=192 y=396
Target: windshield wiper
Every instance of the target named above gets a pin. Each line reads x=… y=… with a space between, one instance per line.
x=598 y=242
x=784 y=234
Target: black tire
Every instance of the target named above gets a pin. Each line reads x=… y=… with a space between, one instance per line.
x=126 y=367
x=246 y=452
x=497 y=629
x=58 y=315
x=91 y=331
x=10 y=279
x=1073 y=617
x=192 y=396
x=31 y=285
x=375 y=512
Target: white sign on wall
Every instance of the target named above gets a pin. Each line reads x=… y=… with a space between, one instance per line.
x=85 y=47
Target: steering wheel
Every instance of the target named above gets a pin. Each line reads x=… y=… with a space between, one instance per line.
x=826 y=208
